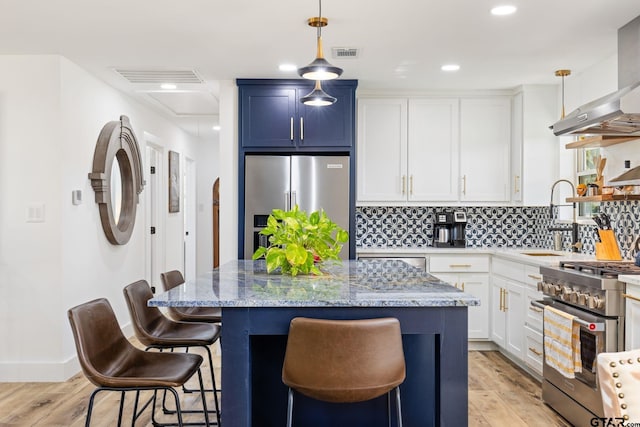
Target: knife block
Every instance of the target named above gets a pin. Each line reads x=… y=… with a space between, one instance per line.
x=607 y=249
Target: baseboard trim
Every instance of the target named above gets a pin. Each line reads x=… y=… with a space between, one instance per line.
x=45 y=371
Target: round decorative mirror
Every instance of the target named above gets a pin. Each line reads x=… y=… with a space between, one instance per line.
x=117 y=179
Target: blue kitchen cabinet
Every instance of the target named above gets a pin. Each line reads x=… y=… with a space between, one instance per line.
x=272 y=116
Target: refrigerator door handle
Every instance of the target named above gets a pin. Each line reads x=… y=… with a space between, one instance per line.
x=293 y=199
x=287 y=200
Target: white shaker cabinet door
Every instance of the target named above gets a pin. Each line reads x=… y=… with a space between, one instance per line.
x=382 y=147
x=485 y=139
x=432 y=153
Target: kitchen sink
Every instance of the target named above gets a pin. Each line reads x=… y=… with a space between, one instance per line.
x=539 y=253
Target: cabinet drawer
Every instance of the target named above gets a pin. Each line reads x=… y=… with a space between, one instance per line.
x=459 y=264
x=532 y=276
x=534 y=350
x=534 y=315
x=509 y=269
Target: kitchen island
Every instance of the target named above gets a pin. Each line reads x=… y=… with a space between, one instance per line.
x=257 y=308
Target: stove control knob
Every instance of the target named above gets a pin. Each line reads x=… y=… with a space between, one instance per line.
x=541 y=285
x=595 y=302
x=556 y=290
x=583 y=298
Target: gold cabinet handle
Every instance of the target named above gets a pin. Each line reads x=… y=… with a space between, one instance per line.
x=536 y=309
x=459 y=265
x=411 y=185
x=506 y=307
x=501 y=299
x=291 y=129
x=516 y=184
x=531 y=276
x=404 y=184
x=534 y=351
x=301 y=128
x=464 y=184
x=462 y=286
x=631 y=297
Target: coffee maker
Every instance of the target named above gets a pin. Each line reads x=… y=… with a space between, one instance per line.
x=449 y=229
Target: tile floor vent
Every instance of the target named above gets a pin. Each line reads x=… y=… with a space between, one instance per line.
x=344 y=52
x=159 y=76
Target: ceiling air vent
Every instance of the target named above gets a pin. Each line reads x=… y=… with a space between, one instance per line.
x=159 y=76
x=344 y=52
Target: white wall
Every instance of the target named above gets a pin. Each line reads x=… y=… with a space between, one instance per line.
x=51 y=112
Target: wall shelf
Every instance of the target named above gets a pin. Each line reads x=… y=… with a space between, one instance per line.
x=603 y=198
x=600 y=141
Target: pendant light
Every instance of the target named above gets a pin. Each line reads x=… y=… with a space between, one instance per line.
x=563 y=74
x=319 y=69
x=318 y=97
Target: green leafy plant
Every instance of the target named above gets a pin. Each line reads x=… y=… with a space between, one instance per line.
x=297 y=241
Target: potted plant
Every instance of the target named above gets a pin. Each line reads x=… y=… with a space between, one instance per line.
x=297 y=241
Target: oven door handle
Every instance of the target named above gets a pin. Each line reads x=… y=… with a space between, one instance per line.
x=592 y=326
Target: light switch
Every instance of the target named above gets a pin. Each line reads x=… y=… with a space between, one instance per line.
x=35 y=212
x=76 y=197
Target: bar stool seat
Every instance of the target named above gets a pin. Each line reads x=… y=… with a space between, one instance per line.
x=154 y=330
x=344 y=360
x=112 y=363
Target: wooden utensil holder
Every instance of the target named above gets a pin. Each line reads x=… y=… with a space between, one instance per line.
x=607 y=249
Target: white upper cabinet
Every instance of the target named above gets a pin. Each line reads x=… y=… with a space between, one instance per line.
x=485 y=138
x=534 y=146
x=382 y=150
x=422 y=149
x=408 y=149
x=433 y=149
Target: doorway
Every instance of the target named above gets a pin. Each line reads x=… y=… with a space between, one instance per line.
x=153 y=173
x=190 y=219
x=216 y=223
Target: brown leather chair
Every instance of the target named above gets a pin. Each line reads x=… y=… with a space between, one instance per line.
x=112 y=363
x=154 y=330
x=344 y=360
x=173 y=278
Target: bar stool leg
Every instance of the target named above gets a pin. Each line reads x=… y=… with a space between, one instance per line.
x=398 y=406
x=290 y=408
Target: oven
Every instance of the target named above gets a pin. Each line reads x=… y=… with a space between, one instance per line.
x=591 y=293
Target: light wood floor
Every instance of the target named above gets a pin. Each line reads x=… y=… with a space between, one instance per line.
x=500 y=394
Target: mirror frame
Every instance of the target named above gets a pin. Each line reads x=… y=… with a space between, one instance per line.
x=117 y=142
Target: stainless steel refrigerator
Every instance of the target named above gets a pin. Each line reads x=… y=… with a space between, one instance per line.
x=281 y=181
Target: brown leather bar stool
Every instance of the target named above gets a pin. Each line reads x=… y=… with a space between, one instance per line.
x=170 y=280
x=154 y=330
x=344 y=360
x=173 y=278
x=112 y=363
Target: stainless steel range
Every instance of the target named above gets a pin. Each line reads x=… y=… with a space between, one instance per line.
x=590 y=291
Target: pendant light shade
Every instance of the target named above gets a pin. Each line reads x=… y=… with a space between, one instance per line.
x=320 y=68
x=318 y=97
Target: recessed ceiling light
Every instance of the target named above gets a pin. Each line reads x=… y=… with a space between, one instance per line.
x=288 y=67
x=168 y=86
x=450 y=67
x=505 y=9
x=216 y=127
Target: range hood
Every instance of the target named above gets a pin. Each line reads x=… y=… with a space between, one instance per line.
x=609 y=115
x=616 y=114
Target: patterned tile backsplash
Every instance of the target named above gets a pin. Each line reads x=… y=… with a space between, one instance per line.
x=489 y=226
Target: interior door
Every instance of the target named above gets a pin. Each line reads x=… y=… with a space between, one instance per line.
x=153 y=173
x=189 y=180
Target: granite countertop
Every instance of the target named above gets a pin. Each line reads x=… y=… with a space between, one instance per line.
x=364 y=283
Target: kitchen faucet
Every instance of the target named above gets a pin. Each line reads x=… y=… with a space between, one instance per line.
x=575 y=245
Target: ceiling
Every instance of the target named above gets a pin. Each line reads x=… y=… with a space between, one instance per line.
x=401 y=45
